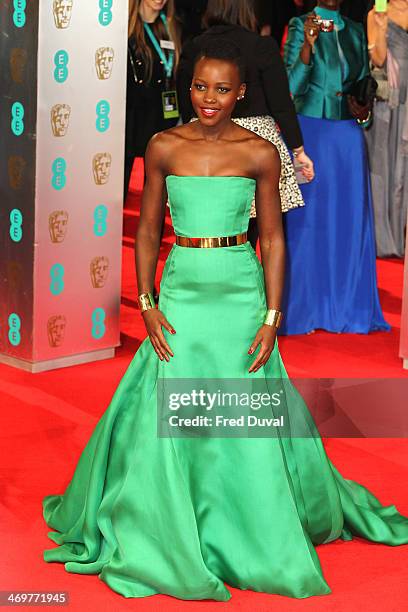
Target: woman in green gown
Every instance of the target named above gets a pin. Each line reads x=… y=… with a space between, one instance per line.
x=184 y=512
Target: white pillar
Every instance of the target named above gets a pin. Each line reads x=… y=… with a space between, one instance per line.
x=62 y=163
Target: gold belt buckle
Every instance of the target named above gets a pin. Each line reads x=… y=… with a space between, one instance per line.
x=213 y=242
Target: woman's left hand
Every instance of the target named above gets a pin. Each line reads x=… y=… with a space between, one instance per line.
x=358 y=112
x=308 y=166
x=265 y=337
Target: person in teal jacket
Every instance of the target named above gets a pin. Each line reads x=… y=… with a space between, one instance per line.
x=336 y=61
x=331 y=281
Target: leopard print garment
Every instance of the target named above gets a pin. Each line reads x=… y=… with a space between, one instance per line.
x=265 y=126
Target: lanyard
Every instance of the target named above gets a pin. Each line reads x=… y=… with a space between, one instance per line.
x=167 y=62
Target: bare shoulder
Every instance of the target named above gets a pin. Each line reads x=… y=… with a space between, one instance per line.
x=266 y=156
x=161 y=140
x=243 y=134
x=163 y=145
x=156 y=143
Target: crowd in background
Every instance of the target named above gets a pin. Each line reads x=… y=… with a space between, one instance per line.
x=272 y=15
x=305 y=95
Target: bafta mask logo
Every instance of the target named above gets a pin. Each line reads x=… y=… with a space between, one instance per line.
x=104 y=62
x=16 y=166
x=18 y=60
x=99 y=269
x=57 y=225
x=14 y=276
x=60 y=114
x=101 y=165
x=62 y=10
x=56 y=330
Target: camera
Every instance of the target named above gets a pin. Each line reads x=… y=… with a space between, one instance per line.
x=324 y=25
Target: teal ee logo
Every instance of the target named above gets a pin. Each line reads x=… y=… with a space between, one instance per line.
x=100 y=225
x=19 y=16
x=105 y=13
x=14 y=323
x=102 y=115
x=16 y=220
x=59 y=166
x=61 y=59
x=17 y=116
x=57 y=279
x=98 y=323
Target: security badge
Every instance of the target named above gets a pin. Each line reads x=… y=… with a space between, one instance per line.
x=167 y=44
x=170 y=104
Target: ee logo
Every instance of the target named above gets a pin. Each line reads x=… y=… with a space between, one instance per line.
x=14 y=323
x=16 y=220
x=57 y=279
x=19 y=16
x=59 y=166
x=98 y=323
x=17 y=116
x=61 y=59
x=105 y=13
x=100 y=225
x=102 y=115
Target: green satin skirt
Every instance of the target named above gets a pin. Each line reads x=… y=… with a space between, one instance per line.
x=183 y=516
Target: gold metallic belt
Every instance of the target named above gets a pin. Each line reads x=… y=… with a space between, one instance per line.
x=218 y=241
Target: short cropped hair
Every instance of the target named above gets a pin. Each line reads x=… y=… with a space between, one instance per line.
x=217 y=47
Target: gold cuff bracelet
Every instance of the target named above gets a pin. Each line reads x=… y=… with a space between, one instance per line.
x=273 y=318
x=146 y=301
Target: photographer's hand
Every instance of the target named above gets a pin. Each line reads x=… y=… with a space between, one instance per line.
x=311 y=29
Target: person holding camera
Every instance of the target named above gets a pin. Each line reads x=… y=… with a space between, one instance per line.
x=331 y=279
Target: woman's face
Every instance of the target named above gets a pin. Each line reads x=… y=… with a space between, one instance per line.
x=215 y=87
x=332 y=5
x=154 y=5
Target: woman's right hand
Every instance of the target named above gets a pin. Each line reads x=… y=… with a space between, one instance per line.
x=311 y=30
x=154 y=319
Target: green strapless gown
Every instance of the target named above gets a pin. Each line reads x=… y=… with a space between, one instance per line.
x=181 y=516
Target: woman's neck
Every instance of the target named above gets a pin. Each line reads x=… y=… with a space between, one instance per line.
x=148 y=14
x=329 y=11
x=333 y=14
x=214 y=133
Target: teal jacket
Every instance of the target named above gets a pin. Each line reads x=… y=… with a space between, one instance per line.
x=319 y=89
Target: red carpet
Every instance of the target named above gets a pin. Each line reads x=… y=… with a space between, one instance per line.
x=47 y=418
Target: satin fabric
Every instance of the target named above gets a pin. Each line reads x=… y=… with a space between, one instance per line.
x=388 y=154
x=331 y=278
x=181 y=516
x=319 y=88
